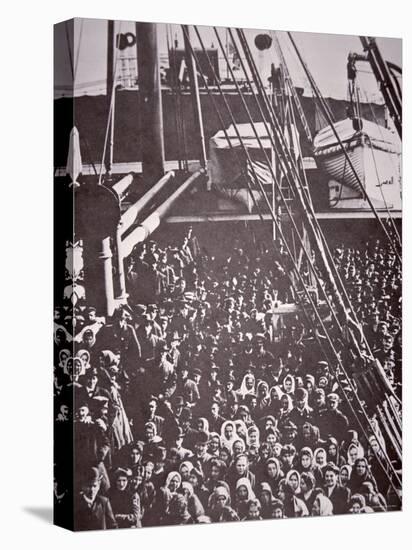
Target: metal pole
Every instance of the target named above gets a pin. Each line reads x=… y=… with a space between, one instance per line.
x=150 y=101
x=110 y=96
x=194 y=86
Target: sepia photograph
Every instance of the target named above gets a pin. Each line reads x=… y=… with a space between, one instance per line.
x=227 y=337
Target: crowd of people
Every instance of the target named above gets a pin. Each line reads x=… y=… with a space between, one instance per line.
x=207 y=398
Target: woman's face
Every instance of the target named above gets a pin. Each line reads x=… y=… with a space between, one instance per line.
x=241 y=465
x=149 y=432
x=193 y=480
x=269 y=424
x=174 y=484
x=284 y=402
x=316 y=508
x=271 y=470
x=221 y=501
x=321 y=458
x=356 y=508
x=242 y=492
x=237 y=448
x=305 y=461
x=303 y=486
x=200 y=425
x=214 y=444
x=148 y=470
x=353 y=453
x=228 y=431
x=215 y=472
x=253 y=438
x=361 y=468
x=288 y=385
x=277 y=450
x=344 y=476
x=271 y=439
x=332 y=450
x=184 y=472
x=294 y=482
x=265 y=498
x=249 y=383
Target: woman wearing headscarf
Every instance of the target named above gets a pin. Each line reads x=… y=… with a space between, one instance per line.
x=357 y=503
x=194 y=506
x=173 y=482
x=266 y=499
x=253 y=435
x=275 y=394
x=185 y=470
x=320 y=457
x=307 y=489
x=308 y=436
x=202 y=425
x=322 y=506
x=177 y=511
x=125 y=502
x=238 y=448
x=294 y=505
x=243 y=493
x=241 y=429
x=355 y=451
x=228 y=433
x=120 y=431
x=271 y=473
x=344 y=475
x=288 y=384
x=306 y=463
x=361 y=473
x=373 y=499
x=219 y=506
x=214 y=444
x=216 y=473
x=238 y=470
x=247 y=386
x=332 y=452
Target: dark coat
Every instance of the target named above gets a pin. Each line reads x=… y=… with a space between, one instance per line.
x=98 y=516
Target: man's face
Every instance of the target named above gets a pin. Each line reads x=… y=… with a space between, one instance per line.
x=330 y=479
x=215 y=409
x=200 y=449
x=91 y=490
x=135 y=456
x=300 y=403
x=83 y=412
x=288 y=458
x=278 y=513
x=332 y=404
x=121 y=483
x=241 y=466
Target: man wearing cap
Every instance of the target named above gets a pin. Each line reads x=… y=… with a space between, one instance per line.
x=214 y=418
x=153 y=417
x=335 y=422
x=92 y=511
x=187 y=387
x=301 y=412
x=181 y=451
x=338 y=495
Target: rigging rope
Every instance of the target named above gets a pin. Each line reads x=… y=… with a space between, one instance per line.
x=280 y=232
x=331 y=123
